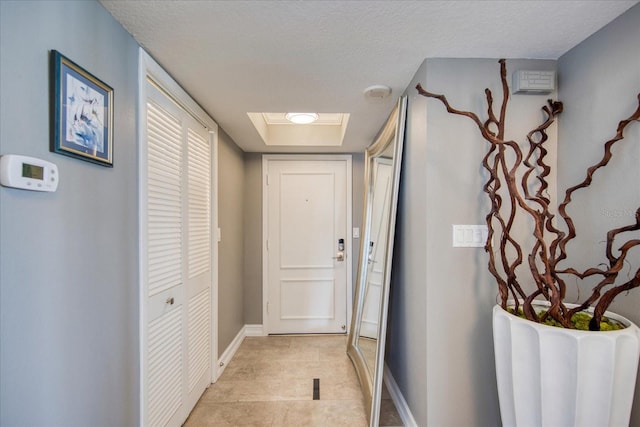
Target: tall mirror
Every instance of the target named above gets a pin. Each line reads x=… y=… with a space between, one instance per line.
x=366 y=342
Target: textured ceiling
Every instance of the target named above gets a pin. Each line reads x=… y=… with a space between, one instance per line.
x=235 y=57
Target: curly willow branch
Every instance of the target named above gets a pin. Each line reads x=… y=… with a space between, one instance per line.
x=503 y=161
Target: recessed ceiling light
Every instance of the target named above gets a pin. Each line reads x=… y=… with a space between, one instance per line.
x=301 y=118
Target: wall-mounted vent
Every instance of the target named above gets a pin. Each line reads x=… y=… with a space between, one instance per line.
x=526 y=81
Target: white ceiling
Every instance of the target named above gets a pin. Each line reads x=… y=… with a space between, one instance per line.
x=235 y=57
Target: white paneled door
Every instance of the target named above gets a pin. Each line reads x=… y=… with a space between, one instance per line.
x=177 y=260
x=308 y=264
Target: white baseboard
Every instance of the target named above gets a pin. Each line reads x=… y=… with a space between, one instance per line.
x=230 y=351
x=245 y=331
x=398 y=399
x=253 y=331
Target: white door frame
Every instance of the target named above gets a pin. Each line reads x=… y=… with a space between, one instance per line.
x=149 y=68
x=266 y=158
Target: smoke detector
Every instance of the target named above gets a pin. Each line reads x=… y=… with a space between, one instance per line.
x=377 y=92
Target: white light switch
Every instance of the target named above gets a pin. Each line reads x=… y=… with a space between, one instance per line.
x=470 y=236
x=356 y=233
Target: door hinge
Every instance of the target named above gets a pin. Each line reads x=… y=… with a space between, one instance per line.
x=267 y=307
x=267 y=177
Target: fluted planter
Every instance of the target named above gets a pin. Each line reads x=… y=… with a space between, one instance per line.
x=556 y=377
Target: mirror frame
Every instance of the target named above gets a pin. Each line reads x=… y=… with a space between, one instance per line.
x=371 y=379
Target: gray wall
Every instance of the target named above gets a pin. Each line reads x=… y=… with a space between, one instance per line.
x=68 y=265
x=441 y=348
x=253 y=239
x=231 y=210
x=599 y=84
x=357 y=185
x=406 y=339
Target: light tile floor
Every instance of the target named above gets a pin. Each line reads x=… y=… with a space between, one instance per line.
x=269 y=382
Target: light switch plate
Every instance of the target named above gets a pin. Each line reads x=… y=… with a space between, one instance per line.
x=356 y=233
x=470 y=236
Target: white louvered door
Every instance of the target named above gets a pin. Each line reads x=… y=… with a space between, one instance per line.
x=198 y=265
x=178 y=260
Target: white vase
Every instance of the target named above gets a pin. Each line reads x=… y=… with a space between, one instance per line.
x=556 y=377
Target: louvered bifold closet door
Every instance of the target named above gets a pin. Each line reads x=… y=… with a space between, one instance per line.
x=165 y=334
x=178 y=263
x=198 y=288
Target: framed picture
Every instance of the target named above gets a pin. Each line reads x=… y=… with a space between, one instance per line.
x=82 y=113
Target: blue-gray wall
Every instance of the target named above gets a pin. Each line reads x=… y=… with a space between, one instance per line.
x=599 y=84
x=68 y=260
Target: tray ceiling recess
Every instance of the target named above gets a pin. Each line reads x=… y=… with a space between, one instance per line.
x=276 y=130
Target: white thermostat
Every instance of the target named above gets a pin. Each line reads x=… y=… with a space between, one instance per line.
x=28 y=173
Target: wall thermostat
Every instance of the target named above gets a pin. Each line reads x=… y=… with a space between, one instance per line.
x=28 y=173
